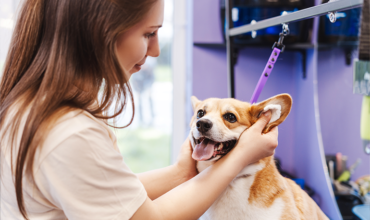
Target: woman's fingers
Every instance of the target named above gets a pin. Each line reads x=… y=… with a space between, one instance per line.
x=185 y=162
x=272 y=135
x=262 y=121
x=256 y=144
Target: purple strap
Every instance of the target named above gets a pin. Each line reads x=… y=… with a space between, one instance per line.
x=265 y=75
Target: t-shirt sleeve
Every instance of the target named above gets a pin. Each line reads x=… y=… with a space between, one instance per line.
x=87 y=178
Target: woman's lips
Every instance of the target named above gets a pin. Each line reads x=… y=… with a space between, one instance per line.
x=138 y=67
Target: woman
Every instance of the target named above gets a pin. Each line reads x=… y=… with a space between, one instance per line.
x=68 y=63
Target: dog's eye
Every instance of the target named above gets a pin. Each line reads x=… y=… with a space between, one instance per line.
x=230 y=117
x=200 y=114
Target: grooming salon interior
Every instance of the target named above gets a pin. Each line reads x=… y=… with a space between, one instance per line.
x=327 y=132
x=324 y=143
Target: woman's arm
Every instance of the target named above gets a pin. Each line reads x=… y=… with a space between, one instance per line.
x=160 y=181
x=191 y=199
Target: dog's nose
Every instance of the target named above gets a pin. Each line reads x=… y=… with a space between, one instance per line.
x=204 y=125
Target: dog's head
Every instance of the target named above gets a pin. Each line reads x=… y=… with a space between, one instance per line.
x=218 y=123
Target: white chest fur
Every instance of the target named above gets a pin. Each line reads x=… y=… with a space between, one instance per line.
x=233 y=204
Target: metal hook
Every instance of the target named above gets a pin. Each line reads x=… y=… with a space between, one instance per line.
x=254 y=33
x=286 y=30
x=332 y=16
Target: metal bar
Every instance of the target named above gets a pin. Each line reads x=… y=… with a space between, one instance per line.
x=230 y=50
x=339 y=5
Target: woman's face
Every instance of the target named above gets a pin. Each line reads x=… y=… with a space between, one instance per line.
x=141 y=40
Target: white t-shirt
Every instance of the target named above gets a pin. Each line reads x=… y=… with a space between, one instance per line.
x=79 y=174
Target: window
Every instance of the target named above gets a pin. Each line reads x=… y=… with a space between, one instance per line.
x=7 y=19
x=146 y=143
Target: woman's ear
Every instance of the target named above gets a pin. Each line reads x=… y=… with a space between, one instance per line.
x=194 y=102
x=279 y=106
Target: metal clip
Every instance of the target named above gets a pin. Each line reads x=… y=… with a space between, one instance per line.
x=283 y=33
x=286 y=30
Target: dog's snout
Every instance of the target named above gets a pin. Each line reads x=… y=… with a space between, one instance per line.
x=204 y=125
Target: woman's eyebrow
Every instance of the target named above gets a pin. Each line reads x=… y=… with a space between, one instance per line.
x=156 y=26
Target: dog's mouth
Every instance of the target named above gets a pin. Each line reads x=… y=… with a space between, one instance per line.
x=207 y=149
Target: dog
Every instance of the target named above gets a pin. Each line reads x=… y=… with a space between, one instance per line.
x=258 y=192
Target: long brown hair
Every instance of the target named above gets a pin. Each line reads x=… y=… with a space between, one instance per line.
x=61 y=55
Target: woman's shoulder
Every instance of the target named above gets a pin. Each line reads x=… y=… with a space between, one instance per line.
x=76 y=122
x=81 y=126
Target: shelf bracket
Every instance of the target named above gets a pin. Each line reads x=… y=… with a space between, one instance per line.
x=304 y=66
x=232 y=52
x=348 y=56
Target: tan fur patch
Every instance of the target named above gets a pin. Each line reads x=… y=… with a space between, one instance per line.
x=265 y=189
x=297 y=194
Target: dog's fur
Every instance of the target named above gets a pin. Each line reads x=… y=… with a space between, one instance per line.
x=258 y=191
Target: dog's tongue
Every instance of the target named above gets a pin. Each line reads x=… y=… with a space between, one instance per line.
x=204 y=150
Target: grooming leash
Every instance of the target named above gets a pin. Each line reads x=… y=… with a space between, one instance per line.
x=278 y=48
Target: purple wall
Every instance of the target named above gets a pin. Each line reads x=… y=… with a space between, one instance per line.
x=309 y=161
x=209 y=78
x=247 y=72
x=340 y=109
x=206 y=18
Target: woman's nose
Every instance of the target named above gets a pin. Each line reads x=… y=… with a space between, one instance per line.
x=153 y=48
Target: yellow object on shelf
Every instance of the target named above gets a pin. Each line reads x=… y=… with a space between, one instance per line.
x=344 y=177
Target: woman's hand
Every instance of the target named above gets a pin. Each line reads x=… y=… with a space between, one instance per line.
x=185 y=163
x=254 y=143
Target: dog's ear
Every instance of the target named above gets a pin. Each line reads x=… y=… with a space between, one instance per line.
x=194 y=102
x=280 y=106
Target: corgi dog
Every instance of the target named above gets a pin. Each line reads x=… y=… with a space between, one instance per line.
x=258 y=192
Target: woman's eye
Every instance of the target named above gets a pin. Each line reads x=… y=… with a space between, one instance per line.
x=230 y=117
x=150 y=35
x=200 y=114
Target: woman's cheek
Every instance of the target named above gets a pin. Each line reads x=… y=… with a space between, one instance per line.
x=143 y=48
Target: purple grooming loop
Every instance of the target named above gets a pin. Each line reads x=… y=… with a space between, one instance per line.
x=265 y=74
